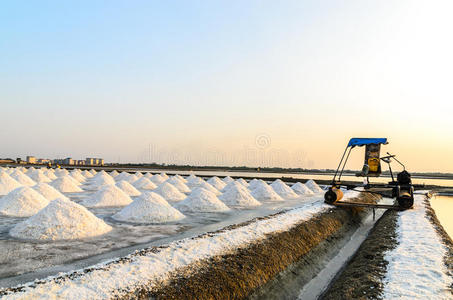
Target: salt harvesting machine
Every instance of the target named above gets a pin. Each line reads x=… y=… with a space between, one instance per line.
x=401 y=189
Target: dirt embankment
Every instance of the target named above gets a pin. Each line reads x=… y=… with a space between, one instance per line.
x=237 y=275
x=362 y=277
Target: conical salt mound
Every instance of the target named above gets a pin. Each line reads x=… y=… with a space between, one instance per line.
x=114 y=173
x=78 y=176
x=164 y=175
x=139 y=174
x=38 y=176
x=7 y=184
x=254 y=183
x=300 y=189
x=157 y=179
x=87 y=174
x=128 y=188
x=149 y=208
x=194 y=181
x=264 y=192
x=243 y=182
x=22 y=178
x=180 y=178
x=50 y=193
x=148 y=175
x=61 y=172
x=312 y=185
x=169 y=192
x=108 y=195
x=177 y=183
x=30 y=170
x=201 y=200
x=283 y=190
x=228 y=179
x=65 y=184
x=131 y=178
x=237 y=195
x=144 y=184
x=50 y=174
x=92 y=171
x=22 y=202
x=209 y=187
x=217 y=183
x=62 y=219
x=102 y=179
x=122 y=176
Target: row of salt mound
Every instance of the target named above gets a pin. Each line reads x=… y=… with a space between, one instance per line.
x=243 y=182
x=312 y=185
x=264 y=192
x=157 y=179
x=66 y=184
x=87 y=174
x=77 y=176
x=179 y=184
x=301 y=189
x=107 y=196
x=169 y=192
x=50 y=174
x=283 y=190
x=197 y=182
x=138 y=174
x=49 y=192
x=149 y=208
x=144 y=184
x=128 y=188
x=7 y=183
x=22 y=178
x=228 y=179
x=237 y=195
x=217 y=183
x=114 y=173
x=38 y=176
x=179 y=177
x=62 y=219
x=201 y=200
x=22 y=202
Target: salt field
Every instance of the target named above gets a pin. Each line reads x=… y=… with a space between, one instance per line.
x=79 y=218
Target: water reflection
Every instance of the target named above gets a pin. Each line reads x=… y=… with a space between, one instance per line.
x=443 y=206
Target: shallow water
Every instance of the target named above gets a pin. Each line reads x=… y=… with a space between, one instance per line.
x=443 y=206
x=24 y=260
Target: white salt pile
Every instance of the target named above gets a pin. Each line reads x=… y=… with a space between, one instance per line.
x=50 y=193
x=138 y=174
x=114 y=173
x=194 y=181
x=38 y=176
x=217 y=183
x=180 y=178
x=283 y=190
x=30 y=170
x=50 y=174
x=164 y=175
x=177 y=183
x=243 y=182
x=228 y=179
x=128 y=188
x=65 y=184
x=77 y=176
x=102 y=179
x=108 y=195
x=7 y=184
x=149 y=208
x=300 y=189
x=263 y=192
x=254 y=183
x=148 y=175
x=201 y=200
x=61 y=172
x=62 y=219
x=169 y=192
x=122 y=176
x=87 y=174
x=144 y=184
x=235 y=194
x=92 y=171
x=312 y=185
x=209 y=187
x=22 y=178
x=22 y=202
x=157 y=179
x=131 y=178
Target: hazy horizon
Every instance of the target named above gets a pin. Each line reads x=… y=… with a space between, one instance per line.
x=254 y=83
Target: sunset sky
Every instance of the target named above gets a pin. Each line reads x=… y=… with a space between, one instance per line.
x=270 y=83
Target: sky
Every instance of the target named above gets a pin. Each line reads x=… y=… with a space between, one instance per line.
x=255 y=83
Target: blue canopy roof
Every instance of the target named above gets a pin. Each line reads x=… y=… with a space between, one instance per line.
x=366 y=141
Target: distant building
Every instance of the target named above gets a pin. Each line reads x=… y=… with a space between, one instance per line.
x=101 y=162
x=43 y=161
x=89 y=161
x=68 y=161
x=31 y=159
x=80 y=162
